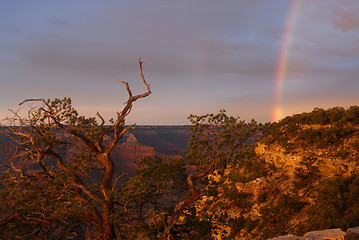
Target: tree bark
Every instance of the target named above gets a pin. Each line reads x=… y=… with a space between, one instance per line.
x=108 y=232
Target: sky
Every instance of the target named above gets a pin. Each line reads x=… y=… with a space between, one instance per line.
x=261 y=59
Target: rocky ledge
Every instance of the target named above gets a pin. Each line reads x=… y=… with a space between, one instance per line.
x=328 y=234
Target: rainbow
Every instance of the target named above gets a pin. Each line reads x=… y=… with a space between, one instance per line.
x=281 y=66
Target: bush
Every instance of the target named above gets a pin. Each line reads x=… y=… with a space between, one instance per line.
x=336 y=204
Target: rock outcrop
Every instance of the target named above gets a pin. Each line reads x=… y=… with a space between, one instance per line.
x=126 y=153
x=328 y=234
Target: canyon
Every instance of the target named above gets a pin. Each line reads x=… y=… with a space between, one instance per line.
x=161 y=141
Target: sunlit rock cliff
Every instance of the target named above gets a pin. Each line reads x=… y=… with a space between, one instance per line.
x=312 y=180
x=302 y=179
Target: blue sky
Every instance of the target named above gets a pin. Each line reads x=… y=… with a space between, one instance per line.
x=202 y=56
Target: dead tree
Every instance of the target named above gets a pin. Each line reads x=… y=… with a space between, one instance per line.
x=69 y=148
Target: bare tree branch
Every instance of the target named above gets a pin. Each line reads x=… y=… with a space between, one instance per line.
x=32 y=100
x=103 y=120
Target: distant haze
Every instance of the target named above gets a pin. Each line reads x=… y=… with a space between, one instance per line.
x=202 y=56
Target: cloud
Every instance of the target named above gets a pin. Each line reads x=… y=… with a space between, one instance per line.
x=345 y=19
x=202 y=55
x=59 y=22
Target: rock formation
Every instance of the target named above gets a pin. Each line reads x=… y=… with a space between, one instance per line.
x=126 y=153
x=327 y=234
